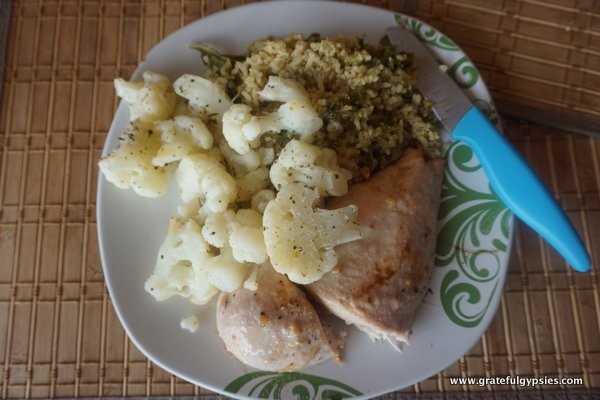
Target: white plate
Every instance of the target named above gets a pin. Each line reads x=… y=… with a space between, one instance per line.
x=473 y=247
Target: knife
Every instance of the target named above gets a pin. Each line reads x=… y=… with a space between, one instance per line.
x=512 y=179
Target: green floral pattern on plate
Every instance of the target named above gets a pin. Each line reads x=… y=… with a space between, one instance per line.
x=426 y=33
x=464 y=73
x=475 y=229
x=288 y=385
x=461 y=69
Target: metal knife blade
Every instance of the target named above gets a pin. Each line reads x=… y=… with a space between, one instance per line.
x=450 y=102
x=510 y=176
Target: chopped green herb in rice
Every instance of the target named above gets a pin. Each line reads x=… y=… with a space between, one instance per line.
x=363 y=93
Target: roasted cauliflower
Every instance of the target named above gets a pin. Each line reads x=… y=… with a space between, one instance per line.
x=130 y=164
x=300 y=238
x=151 y=100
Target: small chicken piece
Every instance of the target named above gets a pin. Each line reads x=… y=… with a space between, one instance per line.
x=274 y=328
x=380 y=281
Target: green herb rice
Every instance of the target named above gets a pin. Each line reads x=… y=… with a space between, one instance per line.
x=363 y=93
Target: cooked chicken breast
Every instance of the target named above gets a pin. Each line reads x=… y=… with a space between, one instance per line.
x=274 y=327
x=381 y=279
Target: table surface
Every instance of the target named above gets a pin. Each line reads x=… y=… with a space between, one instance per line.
x=59 y=335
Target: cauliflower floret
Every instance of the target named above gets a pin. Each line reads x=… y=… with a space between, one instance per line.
x=242 y=130
x=190 y=323
x=297 y=113
x=252 y=182
x=130 y=164
x=181 y=136
x=187 y=266
x=247 y=238
x=234 y=120
x=181 y=264
x=225 y=272
x=241 y=232
x=239 y=238
x=151 y=100
x=241 y=164
x=314 y=166
x=204 y=96
x=217 y=226
x=282 y=89
x=260 y=200
x=300 y=238
x=203 y=177
x=194 y=209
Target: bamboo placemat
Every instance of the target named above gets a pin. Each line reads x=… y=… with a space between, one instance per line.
x=59 y=335
x=540 y=54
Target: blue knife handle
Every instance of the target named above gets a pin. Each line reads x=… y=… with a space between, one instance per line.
x=519 y=188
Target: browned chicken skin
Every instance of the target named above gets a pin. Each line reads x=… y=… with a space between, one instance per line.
x=381 y=279
x=274 y=327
